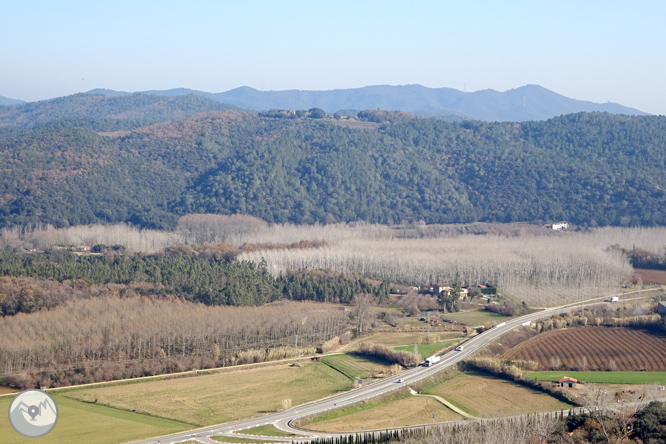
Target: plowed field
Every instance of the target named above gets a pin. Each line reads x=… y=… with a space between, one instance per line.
x=595 y=348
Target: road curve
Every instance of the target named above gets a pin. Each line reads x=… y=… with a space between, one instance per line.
x=284 y=419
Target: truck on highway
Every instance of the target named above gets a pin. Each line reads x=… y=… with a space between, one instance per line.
x=614 y=299
x=429 y=362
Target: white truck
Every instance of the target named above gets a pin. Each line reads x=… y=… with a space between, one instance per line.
x=429 y=362
x=615 y=299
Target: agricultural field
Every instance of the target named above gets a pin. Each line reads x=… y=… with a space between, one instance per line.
x=356 y=366
x=223 y=397
x=488 y=397
x=427 y=350
x=85 y=423
x=421 y=300
x=401 y=412
x=234 y=439
x=603 y=377
x=595 y=348
x=656 y=277
x=397 y=338
x=475 y=318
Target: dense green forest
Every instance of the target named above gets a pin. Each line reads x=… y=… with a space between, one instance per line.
x=589 y=168
x=182 y=273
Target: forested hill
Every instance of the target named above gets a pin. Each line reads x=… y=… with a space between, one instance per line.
x=145 y=107
x=589 y=169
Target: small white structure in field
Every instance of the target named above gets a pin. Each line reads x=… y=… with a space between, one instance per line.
x=559 y=226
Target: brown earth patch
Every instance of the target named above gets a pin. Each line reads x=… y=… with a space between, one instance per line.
x=595 y=348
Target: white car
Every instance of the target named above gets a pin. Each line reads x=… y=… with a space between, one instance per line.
x=460 y=348
x=400 y=380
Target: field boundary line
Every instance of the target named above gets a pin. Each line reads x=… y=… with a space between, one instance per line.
x=447 y=404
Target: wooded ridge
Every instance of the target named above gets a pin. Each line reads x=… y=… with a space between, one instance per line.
x=589 y=169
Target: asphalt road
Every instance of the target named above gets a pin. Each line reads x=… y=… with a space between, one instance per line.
x=283 y=420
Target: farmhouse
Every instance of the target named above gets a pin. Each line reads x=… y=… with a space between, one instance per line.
x=439 y=288
x=661 y=308
x=567 y=382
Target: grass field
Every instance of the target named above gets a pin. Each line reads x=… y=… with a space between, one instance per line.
x=222 y=397
x=487 y=397
x=355 y=367
x=266 y=430
x=402 y=412
x=230 y=439
x=427 y=350
x=475 y=318
x=395 y=339
x=595 y=348
x=603 y=377
x=82 y=423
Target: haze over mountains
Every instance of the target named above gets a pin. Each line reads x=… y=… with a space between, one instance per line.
x=6 y=101
x=530 y=102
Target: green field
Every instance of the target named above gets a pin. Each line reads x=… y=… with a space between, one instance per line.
x=427 y=350
x=356 y=366
x=475 y=318
x=266 y=430
x=83 y=423
x=603 y=377
x=230 y=439
x=489 y=397
x=223 y=397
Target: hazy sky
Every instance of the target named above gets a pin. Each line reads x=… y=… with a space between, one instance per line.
x=589 y=50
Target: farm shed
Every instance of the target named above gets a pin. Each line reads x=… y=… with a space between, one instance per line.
x=568 y=382
x=661 y=308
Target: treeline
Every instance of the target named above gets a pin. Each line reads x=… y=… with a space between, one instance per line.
x=210 y=276
x=589 y=169
x=647 y=425
x=641 y=258
x=116 y=337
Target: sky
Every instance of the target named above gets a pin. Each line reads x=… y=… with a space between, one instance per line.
x=601 y=51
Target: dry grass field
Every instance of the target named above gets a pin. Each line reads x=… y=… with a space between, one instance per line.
x=595 y=348
x=488 y=397
x=82 y=423
x=222 y=397
x=403 y=412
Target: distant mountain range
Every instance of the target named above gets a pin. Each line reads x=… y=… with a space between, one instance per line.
x=530 y=102
x=5 y=101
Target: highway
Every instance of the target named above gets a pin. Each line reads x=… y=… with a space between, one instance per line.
x=283 y=420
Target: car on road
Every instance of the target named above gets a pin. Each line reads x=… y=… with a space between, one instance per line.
x=460 y=348
x=400 y=380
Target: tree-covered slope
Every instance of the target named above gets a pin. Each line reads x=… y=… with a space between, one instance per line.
x=585 y=168
x=135 y=106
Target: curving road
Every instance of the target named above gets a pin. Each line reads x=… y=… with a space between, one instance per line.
x=283 y=420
